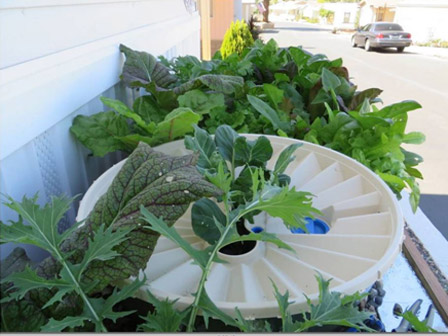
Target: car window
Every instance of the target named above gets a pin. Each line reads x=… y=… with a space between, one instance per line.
x=366 y=27
x=387 y=26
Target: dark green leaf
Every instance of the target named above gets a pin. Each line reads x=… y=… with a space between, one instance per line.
x=21 y=316
x=43 y=222
x=394 y=110
x=203 y=144
x=274 y=94
x=101 y=132
x=205 y=215
x=225 y=138
x=283 y=304
x=148 y=109
x=101 y=247
x=419 y=326
x=165 y=185
x=141 y=68
x=288 y=204
x=69 y=322
x=285 y=158
x=105 y=308
x=125 y=111
x=415 y=138
x=221 y=178
x=164 y=318
x=253 y=153
x=269 y=113
x=333 y=310
x=360 y=97
x=175 y=125
x=209 y=309
x=219 y=83
x=28 y=279
x=329 y=80
x=202 y=103
x=16 y=261
x=159 y=226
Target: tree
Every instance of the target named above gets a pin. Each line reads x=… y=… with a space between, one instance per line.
x=266 y=12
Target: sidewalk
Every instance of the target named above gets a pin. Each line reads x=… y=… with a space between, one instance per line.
x=428 y=51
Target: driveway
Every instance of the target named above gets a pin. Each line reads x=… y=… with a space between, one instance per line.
x=402 y=76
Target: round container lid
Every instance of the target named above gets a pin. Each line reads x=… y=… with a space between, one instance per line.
x=354 y=242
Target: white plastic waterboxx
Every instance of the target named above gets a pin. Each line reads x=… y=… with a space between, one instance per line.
x=365 y=236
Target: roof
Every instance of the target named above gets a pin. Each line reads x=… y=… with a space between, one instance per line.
x=381 y=3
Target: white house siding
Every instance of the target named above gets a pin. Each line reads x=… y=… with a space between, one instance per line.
x=249 y=7
x=424 y=19
x=57 y=58
x=367 y=15
x=340 y=9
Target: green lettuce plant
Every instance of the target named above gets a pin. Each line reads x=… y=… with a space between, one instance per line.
x=262 y=90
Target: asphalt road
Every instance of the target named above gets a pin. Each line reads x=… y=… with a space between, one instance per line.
x=402 y=76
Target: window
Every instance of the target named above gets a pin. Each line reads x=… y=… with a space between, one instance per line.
x=387 y=26
x=346 y=17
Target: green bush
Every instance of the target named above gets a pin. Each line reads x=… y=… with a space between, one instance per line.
x=236 y=39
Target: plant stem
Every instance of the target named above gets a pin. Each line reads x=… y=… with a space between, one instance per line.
x=207 y=268
x=80 y=291
x=61 y=259
x=205 y=273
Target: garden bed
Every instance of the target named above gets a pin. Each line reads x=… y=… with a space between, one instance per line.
x=264 y=90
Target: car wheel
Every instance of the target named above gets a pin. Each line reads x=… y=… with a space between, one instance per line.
x=400 y=49
x=354 y=45
x=368 y=47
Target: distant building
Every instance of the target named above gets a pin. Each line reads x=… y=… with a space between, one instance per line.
x=344 y=16
x=287 y=10
x=377 y=10
x=425 y=19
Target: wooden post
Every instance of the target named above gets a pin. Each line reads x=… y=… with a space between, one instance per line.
x=204 y=11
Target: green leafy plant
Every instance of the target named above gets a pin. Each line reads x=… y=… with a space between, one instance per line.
x=111 y=245
x=218 y=159
x=236 y=39
x=43 y=232
x=123 y=128
x=262 y=90
x=416 y=324
x=332 y=309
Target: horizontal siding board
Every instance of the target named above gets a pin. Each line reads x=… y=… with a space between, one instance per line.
x=46 y=97
x=43 y=31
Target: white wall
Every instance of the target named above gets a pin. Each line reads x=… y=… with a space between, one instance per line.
x=57 y=58
x=339 y=10
x=367 y=15
x=424 y=19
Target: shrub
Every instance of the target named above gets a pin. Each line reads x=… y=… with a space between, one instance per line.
x=236 y=39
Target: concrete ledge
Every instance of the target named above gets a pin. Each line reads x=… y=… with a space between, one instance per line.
x=264 y=25
x=427 y=233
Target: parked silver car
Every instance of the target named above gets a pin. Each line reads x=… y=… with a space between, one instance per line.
x=381 y=35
